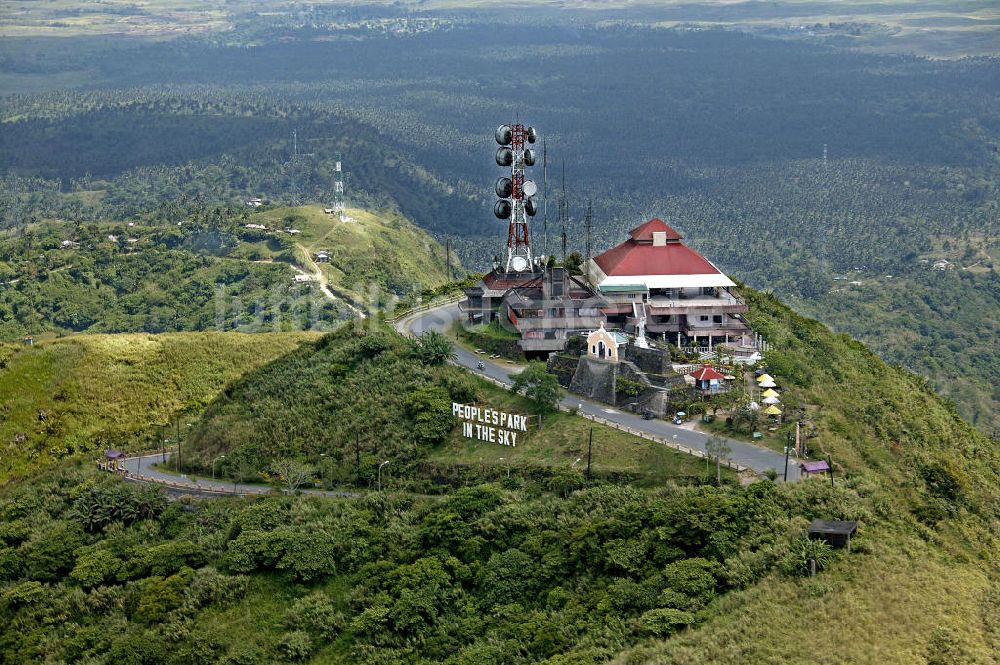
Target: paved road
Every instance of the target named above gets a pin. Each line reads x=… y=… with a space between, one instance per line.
x=141 y=469
x=758 y=458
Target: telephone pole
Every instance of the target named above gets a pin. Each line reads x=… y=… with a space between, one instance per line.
x=590 y=451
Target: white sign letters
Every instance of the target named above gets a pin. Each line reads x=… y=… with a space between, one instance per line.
x=490 y=425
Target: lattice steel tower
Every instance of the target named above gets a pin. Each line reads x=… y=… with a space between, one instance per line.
x=339 y=207
x=516 y=192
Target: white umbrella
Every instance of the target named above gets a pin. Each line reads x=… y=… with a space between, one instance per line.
x=753 y=406
x=771 y=400
x=767 y=384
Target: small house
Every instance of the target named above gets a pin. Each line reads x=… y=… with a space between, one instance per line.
x=323 y=257
x=28 y=340
x=301 y=279
x=603 y=344
x=813 y=467
x=707 y=379
x=943 y=264
x=836 y=533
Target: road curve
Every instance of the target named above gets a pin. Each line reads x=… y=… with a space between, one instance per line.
x=758 y=458
x=140 y=469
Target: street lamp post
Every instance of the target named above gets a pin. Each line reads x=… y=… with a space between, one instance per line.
x=380 y=474
x=322 y=469
x=213 y=465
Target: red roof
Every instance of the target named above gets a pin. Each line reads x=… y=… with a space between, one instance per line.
x=644 y=232
x=634 y=258
x=706 y=373
x=494 y=282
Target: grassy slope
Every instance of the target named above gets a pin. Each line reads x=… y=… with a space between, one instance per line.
x=382 y=246
x=913 y=582
x=109 y=389
x=562 y=439
x=317 y=399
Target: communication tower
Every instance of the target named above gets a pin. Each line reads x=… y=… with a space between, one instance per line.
x=339 y=207
x=516 y=192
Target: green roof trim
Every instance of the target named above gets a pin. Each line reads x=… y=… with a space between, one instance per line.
x=623 y=288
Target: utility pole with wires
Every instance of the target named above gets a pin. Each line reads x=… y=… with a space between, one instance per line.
x=447 y=256
x=588 y=223
x=590 y=451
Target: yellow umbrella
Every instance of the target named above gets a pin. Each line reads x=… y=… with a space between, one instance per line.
x=764 y=377
x=772 y=411
x=770 y=392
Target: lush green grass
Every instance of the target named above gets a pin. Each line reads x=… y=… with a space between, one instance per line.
x=381 y=247
x=876 y=602
x=113 y=390
x=350 y=401
x=562 y=439
x=931 y=482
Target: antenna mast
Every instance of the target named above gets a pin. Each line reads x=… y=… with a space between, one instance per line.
x=563 y=211
x=339 y=205
x=588 y=220
x=545 y=201
x=516 y=192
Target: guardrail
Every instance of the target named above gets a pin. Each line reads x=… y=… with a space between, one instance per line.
x=433 y=304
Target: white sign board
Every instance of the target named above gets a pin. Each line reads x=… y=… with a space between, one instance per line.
x=486 y=424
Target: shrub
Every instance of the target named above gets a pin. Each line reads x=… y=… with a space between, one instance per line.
x=95 y=567
x=296 y=645
x=432 y=348
x=106 y=502
x=694 y=578
x=801 y=551
x=664 y=621
x=316 y=615
x=159 y=596
x=51 y=555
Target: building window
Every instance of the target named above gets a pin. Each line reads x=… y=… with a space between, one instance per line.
x=717 y=318
x=703 y=317
x=593 y=349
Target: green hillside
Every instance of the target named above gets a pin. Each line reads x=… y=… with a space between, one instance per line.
x=542 y=568
x=348 y=402
x=383 y=247
x=200 y=268
x=85 y=392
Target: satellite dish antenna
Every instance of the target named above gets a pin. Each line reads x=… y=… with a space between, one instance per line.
x=502 y=209
x=529 y=188
x=504 y=187
x=505 y=157
x=519 y=264
x=504 y=134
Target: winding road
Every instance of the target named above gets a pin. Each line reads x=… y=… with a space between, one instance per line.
x=758 y=458
x=140 y=468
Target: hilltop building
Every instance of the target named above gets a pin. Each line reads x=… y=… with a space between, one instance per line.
x=543 y=305
x=654 y=282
